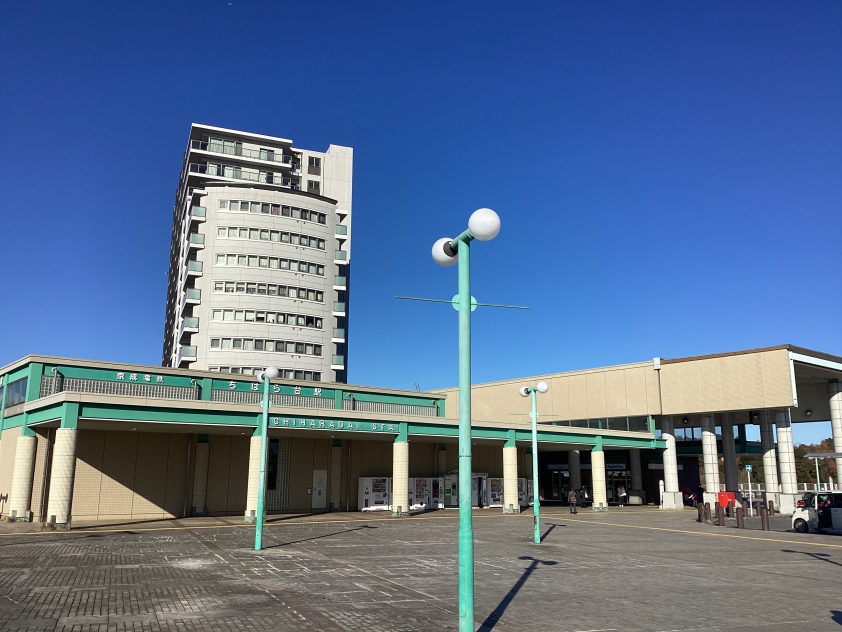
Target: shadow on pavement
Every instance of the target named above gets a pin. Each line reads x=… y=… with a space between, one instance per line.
x=319 y=537
x=492 y=619
x=822 y=557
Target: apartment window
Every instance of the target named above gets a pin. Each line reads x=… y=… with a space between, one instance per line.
x=285 y=212
x=276 y=209
x=258 y=345
x=251 y=288
x=233 y=205
x=226 y=343
x=299 y=375
x=232 y=260
x=305 y=214
x=237 y=343
x=273 y=262
x=248 y=345
x=252 y=261
x=223 y=205
x=239 y=314
x=241 y=287
x=269 y=345
x=313 y=186
x=235 y=369
x=228 y=314
x=274 y=236
x=242 y=260
x=289 y=374
x=214 y=343
x=264 y=208
x=217 y=314
x=263 y=262
x=221 y=232
x=249 y=317
x=314 y=166
x=260 y=317
x=254 y=233
x=255 y=207
x=16 y=392
x=264 y=234
x=220 y=260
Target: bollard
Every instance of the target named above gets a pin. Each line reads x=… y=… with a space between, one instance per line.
x=720 y=515
x=700 y=510
x=771 y=508
x=730 y=508
x=764 y=519
x=741 y=523
x=707 y=513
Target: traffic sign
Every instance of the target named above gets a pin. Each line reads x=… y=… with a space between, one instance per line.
x=748 y=468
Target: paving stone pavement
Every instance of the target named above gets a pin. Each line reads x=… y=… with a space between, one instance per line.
x=628 y=569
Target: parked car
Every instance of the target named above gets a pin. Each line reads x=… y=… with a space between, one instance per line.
x=819 y=511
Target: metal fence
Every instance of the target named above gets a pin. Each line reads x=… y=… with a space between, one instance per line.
x=393 y=409
x=58 y=384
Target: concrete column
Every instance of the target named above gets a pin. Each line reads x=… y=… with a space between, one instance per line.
x=600 y=497
x=770 y=462
x=710 y=457
x=636 y=494
x=442 y=464
x=510 y=500
x=336 y=475
x=786 y=461
x=729 y=454
x=574 y=461
x=672 y=495
x=254 y=477
x=400 y=478
x=24 y=470
x=200 y=477
x=834 y=392
x=62 y=475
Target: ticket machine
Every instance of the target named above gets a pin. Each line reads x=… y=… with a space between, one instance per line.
x=374 y=493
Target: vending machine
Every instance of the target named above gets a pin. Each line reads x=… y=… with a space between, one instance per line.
x=436 y=493
x=524 y=491
x=479 y=490
x=419 y=493
x=374 y=493
x=451 y=491
x=495 y=492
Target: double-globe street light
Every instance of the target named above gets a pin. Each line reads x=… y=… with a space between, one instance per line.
x=484 y=224
x=264 y=377
x=526 y=391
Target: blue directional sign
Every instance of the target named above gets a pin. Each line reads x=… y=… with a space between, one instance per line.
x=748 y=468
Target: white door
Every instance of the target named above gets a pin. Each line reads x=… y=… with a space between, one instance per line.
x=319 y=496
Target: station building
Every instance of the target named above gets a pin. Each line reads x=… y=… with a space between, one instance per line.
x=90 y=440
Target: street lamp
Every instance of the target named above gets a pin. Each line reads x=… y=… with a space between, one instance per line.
x=484 y=224
x=525 y=391
x=269 y=373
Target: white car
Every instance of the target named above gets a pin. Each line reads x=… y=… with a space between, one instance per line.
x=820 y=512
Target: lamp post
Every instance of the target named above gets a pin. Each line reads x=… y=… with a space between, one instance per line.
x=526 y=391
x=264 y=377
x=484 y=224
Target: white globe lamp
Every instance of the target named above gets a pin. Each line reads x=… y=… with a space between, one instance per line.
x=484 y=224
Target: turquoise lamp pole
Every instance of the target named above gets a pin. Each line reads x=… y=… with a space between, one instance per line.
x=264 y=377
x=525 y=391
x=484 y=224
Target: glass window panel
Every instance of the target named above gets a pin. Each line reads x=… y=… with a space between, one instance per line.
x=274 y=236
x=220 y=232
x=308 y=349
x=229 y=287
x=239 y=315
x=292 y=292
x=318 y=323
x=244 y=233
x=311 y=295
x=322 y=218
x=235 y=369
x=237 y=343
x=321 y=244
x=226 y=343
x=232 y=260
x=248 y=345
x=293 y=239
x=299 y=375
x=269 y=345
x=217 y=314
x=317 y=350
x=233 y=205
x=319 y=296
x=251 y=288
x=214 y=343
x=264 y=234
x=255 y=207
x=258 y=345
x=305 y=214
x=285 y=238
x=285 y=211
x=232 y=232
x=270 y=317
x=254 y=233
x=272 y=290
x=242 y=260
x=264 y=208
x=261 y=288
x=320 y=270
x=273 y=262
x=253 y=261
x=220 y=260
x=282 y=290
x=249 y=316
x=308 y=376
x=241 y=287
x=296 y=212
x=276 y=209
x=301 y=321
x=290 y=347
x=289 y=374
x=293 y=266
x=229 y=314
x=263 y=262
x=284 y=264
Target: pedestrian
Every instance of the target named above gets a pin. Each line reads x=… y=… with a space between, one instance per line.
x=700 y=495
x=582 y=497
x=621 y=494
x=572 y=499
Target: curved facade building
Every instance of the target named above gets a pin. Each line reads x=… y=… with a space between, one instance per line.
x=260 y=257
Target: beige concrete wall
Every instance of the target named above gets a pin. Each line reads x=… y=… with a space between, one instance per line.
x=8 y=445
x=620 y=391
x=39 y=493
x=742 y=381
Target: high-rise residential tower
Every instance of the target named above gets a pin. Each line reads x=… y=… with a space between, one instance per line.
x=260 y=257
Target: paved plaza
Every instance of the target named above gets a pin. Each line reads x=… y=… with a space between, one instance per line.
x=629 y=569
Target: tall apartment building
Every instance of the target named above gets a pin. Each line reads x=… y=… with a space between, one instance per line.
x=260 y=257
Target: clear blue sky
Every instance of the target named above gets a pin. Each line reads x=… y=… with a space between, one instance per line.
x=668 y=174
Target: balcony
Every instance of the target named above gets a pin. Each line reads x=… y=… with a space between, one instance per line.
x=198 y=214
x=192 y=296
x=187 y=353
x=341 y=230
x=340 y=283
x=197 y=240
x=237 y=173
x=339 y=309
x=194 y=268
x=189 y=325
x=337 y=363
x=340 y=257
x=266 y=155
x=338 y=336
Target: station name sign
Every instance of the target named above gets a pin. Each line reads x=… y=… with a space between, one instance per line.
x=332 y=424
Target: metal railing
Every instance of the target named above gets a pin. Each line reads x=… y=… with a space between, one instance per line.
x=194 y=266
x=51 y=385
x=626 y=424
x=338 y=360
x=339 y=307
x=340 y=255
x=256 y=154
x=192 y=322
x=340 y=280
x=341 y=229
x=339 y=333
x=193 y=294
x=251 y=397
x=197 y=238
x=198 y=211
x=393 y=409
x=236 y=173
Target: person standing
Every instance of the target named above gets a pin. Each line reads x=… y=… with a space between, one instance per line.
x=621 y=494
x=572 y=499
x=582 y=497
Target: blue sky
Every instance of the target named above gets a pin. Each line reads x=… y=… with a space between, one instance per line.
x=668 y=174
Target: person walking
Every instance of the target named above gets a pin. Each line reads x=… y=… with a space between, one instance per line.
x=582 y=497
x=621 y=494
x=572 y=499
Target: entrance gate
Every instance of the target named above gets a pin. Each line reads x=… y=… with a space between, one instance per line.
x=277 y=475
